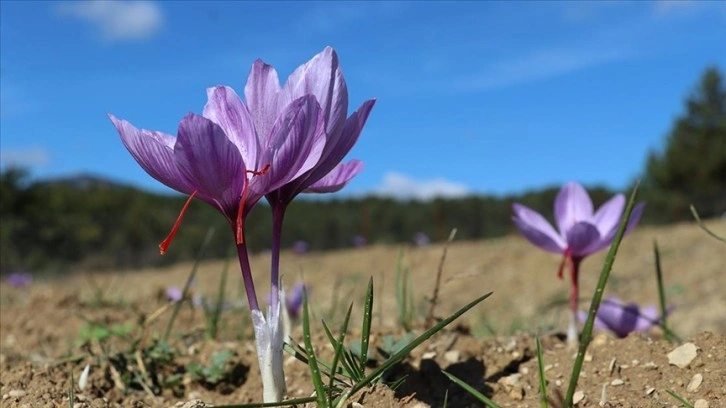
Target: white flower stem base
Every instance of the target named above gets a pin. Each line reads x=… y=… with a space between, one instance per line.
x=269 y=336
x=572 y=332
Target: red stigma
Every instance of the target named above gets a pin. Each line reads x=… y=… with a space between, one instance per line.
x=240 y=238
x=167 y=241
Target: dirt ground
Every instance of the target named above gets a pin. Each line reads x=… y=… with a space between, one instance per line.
x=56 y=327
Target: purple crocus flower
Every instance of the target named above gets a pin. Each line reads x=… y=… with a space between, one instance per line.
x=19 y=279
x=322 y=79
x=300 y=247
x=235 y=154
x=359 y=241
x=174 y=294
x=582 y=232
x=294 y=300
x=623 y=319
x=421 y=239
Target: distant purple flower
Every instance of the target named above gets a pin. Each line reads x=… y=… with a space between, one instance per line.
x=19 y=279
x=623 y=319
x=581 y=231
x=421 y=239
x=300 y=247
x=174 y=294
x=294 y=300
x=359 y=241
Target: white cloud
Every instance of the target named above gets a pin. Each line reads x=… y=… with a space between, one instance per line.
x=401 y=186
x=539 y=65
x=31 y=157
x=117 y=20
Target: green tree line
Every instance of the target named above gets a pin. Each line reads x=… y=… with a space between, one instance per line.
x=90 y=223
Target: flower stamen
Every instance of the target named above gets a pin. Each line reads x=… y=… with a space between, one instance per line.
x=167 y=241
x=242 y=201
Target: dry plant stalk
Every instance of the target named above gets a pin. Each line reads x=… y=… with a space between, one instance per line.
x=435 y=297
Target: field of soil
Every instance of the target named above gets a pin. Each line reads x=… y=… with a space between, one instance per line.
x=110 y=321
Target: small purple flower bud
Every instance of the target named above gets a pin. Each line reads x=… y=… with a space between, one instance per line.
x=19 y=279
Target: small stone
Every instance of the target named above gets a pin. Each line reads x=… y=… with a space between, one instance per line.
x=588 y=357
x=16 y=393
x=695 y=382
x=524 y=370
x=452 y=356
x=701 y=403
x=196 y=403
x=6 y=396
x=683 y=355
x=46 y=396
x=428 y=355
x=356 y=405
x=578 y=396
x=649 y=390
x=512 y=386
x=617 y=382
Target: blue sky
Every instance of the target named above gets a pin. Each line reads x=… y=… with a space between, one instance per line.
x=472 y=97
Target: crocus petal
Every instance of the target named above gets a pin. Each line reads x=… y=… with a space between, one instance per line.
x=205 y=154
x=336 y=149
x=580 y=237
x=598 y=324
x=154 y=153
x=337 y=178
x=606 y=240
x=572 y=205
x=261 y=95
x=607 y=217
x=537 y=230
x=323 y=78
x=649 y=317
x=226 y=109
x=294 y=145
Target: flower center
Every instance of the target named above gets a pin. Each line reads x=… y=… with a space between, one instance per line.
x=240 y=237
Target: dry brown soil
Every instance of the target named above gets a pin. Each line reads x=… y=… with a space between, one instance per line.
x=491 y=347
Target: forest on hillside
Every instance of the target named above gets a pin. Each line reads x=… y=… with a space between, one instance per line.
x=83 y=223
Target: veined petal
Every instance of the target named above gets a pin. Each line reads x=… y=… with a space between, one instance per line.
x=337 y=178
x=294 y=146
x=154 y=153
x=225 y=108
x=323 y=78
x=205 y=154
x=572 y=205
x=580 y=237
x=537 y=230
x=337 y=147
x=261 y=94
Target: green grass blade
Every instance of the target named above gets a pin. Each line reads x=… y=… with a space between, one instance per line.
x=339 y=344
x=366 y=330
x=401 y=354
x=597 y=298
x=703 y=226
x=476 y=394
x=679 y=399
x=190 y=279
x=542 y=380
x=312 y=360
x=667 y=332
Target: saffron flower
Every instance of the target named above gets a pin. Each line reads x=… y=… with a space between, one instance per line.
x=300 y=247
x=19 y=279
x=322 y=79
x=229 y=160
x=421 y=239
x=623 y=319
x=582 y=232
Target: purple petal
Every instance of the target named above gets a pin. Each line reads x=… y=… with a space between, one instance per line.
x=226 y=109
x=598 y=324
x=294 y=146
x=321 y=77
x=572 y=205
x=580 y=237
x=649 y=317
x=154 y=152
x=174 y=294
x=337 y=178
x=606 y=240
x=261 y=94
x=205 y=154
x=607 y=217
x=537 y=230
x=294 y=300
x=337 y=148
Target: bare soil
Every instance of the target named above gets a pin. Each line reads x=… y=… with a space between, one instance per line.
x=45 y=336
